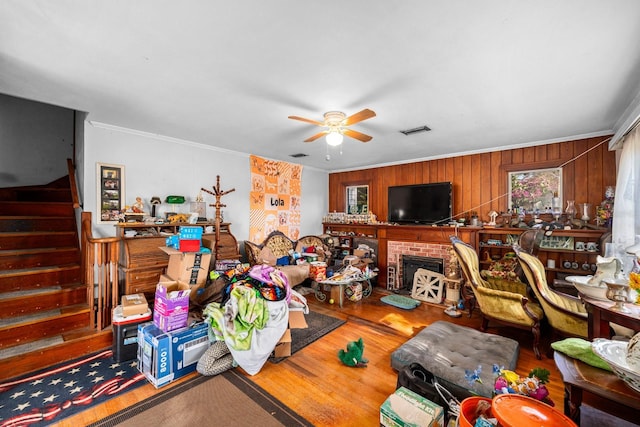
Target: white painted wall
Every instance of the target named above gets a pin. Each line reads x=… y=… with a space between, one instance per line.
x=162 y=166
x=36 y=141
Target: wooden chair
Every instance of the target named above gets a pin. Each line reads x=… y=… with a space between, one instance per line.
x=502 y=306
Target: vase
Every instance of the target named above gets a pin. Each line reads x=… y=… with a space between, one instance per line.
x=586 y=212
x=571 y=209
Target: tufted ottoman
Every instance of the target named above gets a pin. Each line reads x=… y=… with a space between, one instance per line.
x=447 y=349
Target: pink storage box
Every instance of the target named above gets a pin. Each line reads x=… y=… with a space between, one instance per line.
x=171 y=307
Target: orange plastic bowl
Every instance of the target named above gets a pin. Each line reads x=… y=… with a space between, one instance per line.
x=515 y=410
x=468 y=410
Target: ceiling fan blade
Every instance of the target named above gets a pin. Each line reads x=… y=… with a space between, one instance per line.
x=316 y=136
x=357 y=135
x=302 y=119
x=358 y=117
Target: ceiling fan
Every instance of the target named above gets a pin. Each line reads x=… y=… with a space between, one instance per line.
x=336 y=123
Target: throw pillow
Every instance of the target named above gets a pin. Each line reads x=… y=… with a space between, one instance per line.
x=506 y=268
x=580 y=349
x=267 y=257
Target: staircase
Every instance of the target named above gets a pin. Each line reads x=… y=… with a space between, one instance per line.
x=47 y=314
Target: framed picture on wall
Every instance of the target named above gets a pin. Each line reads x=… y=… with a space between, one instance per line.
x=535 y=189
x=110 y=191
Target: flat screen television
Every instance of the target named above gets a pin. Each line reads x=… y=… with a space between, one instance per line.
x=421 y=203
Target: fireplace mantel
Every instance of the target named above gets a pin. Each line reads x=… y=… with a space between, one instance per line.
x=425 y=234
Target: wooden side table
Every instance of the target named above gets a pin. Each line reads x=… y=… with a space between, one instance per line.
x=601 y=389
x=600 y=315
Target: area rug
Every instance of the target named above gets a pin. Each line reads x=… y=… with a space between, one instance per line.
x=60 y=391
x=228 y=399
x=319 y=325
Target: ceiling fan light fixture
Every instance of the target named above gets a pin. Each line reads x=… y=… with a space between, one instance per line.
x=334 y=138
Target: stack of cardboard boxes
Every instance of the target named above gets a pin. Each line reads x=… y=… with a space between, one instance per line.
x=170 y=348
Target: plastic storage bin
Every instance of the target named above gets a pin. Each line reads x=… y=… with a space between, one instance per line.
x=125 y=334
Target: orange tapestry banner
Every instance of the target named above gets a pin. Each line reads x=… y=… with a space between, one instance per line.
x=275 y=198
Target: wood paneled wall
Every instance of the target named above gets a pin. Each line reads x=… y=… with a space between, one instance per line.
x=480 y=180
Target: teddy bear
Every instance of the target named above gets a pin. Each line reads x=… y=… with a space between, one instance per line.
x=354 y=355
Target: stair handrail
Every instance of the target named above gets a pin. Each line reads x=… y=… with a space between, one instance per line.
x=100 y=258
x=75 y=198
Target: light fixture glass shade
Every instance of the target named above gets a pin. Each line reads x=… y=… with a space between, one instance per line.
x=334 y=138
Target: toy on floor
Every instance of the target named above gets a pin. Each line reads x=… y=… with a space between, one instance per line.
x=354 y=355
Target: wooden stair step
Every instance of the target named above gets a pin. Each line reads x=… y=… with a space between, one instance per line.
x=21 y=330
x=44 y=194
x=22 y=208
x=37 y=239
x=16 y=304
x=40 y=257
x=48 y=352
x=37 y=278
x=36 y=223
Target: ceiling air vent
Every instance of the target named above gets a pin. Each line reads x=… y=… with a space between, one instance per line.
x=416 y=130
x=298 y=155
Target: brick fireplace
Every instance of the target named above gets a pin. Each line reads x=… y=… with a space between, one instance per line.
x=396 y=249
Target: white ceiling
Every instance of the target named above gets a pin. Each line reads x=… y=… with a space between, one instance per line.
x=482 y=74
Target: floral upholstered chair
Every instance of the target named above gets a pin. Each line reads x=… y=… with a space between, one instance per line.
x=502 y=306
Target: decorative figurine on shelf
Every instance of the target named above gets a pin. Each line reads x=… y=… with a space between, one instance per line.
x=492 y=215
x=138 y=206
x=155 y=201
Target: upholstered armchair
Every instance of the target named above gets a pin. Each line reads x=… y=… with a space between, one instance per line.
x=565 y=313
x=502 y=306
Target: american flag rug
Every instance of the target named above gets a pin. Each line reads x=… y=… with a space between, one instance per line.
x=60 y=391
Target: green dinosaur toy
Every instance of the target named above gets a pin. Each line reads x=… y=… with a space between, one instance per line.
x=353 y=356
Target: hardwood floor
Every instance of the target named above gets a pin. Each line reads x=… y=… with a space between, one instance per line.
x=315 y=384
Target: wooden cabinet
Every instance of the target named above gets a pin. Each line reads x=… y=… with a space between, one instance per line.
x=566 y=248
x=347 y=237
x=142 y=262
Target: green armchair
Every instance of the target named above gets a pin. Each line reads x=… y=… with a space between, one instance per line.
x=502 y=306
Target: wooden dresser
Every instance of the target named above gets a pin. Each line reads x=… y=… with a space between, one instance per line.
x=142 y=262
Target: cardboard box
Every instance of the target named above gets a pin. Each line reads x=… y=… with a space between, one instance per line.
x=196 y=294
x=171 y=307
x=188 y=267
x=283 y=347
x=134 y=304
x=406 y=408
x=190 y=232
x=296 y=321
x=167 y=356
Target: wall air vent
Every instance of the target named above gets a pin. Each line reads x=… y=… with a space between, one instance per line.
x=298 y=155
x=416 y=130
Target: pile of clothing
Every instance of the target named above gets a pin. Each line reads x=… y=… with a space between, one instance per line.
x=251 y=318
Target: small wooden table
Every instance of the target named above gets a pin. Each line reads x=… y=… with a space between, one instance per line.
x=601 y=389
x=600 y=315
